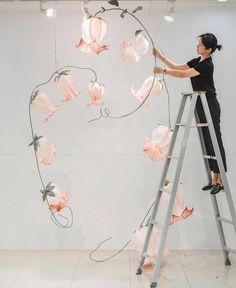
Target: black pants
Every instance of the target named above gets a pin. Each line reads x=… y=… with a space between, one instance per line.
x=215 y=111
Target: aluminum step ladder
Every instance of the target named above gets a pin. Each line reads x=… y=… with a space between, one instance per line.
x=192 y=96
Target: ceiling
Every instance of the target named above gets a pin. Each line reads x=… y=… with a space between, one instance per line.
x=104 y=1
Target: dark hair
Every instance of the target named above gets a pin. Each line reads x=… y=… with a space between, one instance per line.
x=209 y=41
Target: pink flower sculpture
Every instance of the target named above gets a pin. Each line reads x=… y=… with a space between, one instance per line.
x=156 y=148
x=95 y=92
x=138 y=242
x=46 y=151
x=142 y=93
x=41 y=103
x=133 y=49
x=93 y=31
x=59 y=201
x=180 y=211
x=66 y=85
x=185 y=214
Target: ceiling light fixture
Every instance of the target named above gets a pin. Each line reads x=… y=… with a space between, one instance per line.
x=169 y=17
x=47 y=9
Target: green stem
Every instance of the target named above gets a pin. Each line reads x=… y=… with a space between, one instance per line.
x=106 y=111
x=32 y=133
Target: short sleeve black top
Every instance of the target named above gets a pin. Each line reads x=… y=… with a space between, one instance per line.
x=204 y=81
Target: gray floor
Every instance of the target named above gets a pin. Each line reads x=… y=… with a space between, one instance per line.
x=74 y=269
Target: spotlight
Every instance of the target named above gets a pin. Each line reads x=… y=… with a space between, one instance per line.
x=222 y=0
x=46 y=9
x=50 y=12
x=170 y=15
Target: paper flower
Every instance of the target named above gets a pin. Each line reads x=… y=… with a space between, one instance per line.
x=93 y=31
x=180 y=211
x=142 y=93
x=66 y=84
x=185 y=214
x=46 y=151
x=155 y=148
x=59 y=201
x=133 y=49
x=138 y=240
x=41 y=103
x=95 y=91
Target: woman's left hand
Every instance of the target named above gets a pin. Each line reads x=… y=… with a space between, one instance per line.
x=158 y=70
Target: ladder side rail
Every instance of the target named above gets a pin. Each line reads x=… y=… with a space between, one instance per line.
x=161 y=184
x=203 y=147
x=174 y=190
x=214 y=200
x=220 y=228
x=219 y=158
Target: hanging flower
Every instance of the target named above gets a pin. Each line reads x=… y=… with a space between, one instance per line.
x=185 y=214
x=142 y=93
x=59 y=201
x=41 y=103
x=138 y=240
x=180 y=211
x=93 y=31
x=66 y=84
x=133 y=49
x=156 y=148
x=95 y=92
x=153 y=151
x=46 y=151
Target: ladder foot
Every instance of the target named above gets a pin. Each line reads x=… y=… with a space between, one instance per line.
x=139 y=271
x=153 y=285
x=227 y=262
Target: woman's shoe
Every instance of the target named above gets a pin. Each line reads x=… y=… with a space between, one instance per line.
x=216 y=189
x=209 y=186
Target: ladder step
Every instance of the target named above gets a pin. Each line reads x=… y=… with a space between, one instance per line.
x=192 y=126
x=172 y=157
x=192 y=93
x=229 y=249
x=188 y=93
x=209 y=157
x=224 y=220
x=154 y=222
x=165 y=191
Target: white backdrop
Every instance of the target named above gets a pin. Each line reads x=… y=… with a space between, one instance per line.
x=110 y=182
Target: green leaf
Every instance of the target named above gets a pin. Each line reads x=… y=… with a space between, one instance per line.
x=35 y=142
x=114 y=2
x=122 y=15
x=48 y=185
x=51 y=193
x=64 y=72
x=44 y=195
x=51 y=188
x=138 y=32
x=137 y=9
x=48 y=191
x=34 y=96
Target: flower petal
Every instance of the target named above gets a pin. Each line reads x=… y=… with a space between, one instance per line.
x=42 y=104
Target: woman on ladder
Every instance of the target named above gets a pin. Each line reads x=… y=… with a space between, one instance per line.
x=200 y=71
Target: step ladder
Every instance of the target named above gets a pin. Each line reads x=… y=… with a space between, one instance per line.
x=192 y=96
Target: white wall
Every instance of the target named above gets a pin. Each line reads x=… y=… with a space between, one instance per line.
x=110 y=182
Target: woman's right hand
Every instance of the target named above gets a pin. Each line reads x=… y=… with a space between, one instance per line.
x=157 y=54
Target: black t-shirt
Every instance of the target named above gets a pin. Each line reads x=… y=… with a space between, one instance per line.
x=204 y=81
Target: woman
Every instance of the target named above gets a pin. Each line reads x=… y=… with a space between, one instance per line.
x=200 y=71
